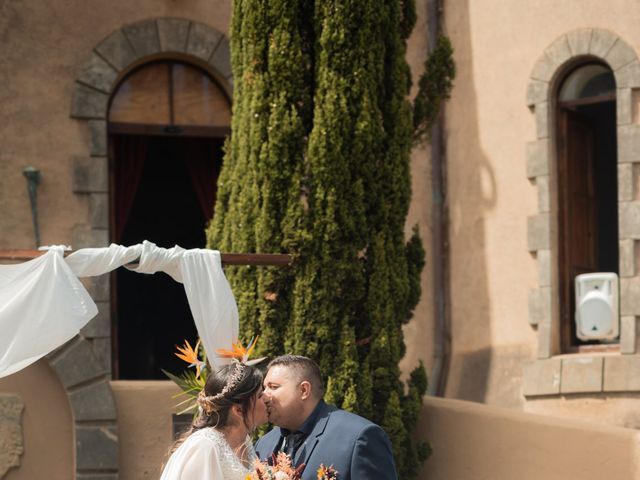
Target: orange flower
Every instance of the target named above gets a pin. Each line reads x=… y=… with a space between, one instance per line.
x=190 y=355
x=241 y=353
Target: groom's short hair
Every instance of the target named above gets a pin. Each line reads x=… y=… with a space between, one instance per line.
x=305 y=369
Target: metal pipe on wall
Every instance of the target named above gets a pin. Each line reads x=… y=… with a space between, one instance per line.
x=439 y=226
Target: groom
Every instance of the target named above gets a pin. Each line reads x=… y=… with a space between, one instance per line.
x=315 y=433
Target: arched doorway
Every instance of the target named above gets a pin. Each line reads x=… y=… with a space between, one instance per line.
x=587 y=184
x=166 y=125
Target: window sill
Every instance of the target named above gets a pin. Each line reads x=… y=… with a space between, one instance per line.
x=588 y=372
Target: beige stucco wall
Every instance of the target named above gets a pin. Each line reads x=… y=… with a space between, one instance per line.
x=145 y=411
x=487 y=127
x=472 y=442
x=49 y=42
x=47 y=425
x=489 y=196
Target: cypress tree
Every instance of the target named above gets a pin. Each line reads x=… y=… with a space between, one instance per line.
x=318 y=166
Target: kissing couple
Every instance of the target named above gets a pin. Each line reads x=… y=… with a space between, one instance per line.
x=237 y=399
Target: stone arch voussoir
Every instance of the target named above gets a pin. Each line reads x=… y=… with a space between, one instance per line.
x=83 y=364
x=567 y=49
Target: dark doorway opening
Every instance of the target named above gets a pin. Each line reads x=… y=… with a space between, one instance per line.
x=587 y=200
x=163 y=190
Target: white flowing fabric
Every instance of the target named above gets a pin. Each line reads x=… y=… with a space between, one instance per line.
x=43 y=304
x=206 y=455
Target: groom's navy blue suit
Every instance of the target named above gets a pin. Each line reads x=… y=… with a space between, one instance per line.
x=357 y=448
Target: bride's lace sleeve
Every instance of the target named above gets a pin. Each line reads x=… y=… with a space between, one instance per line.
x=197 y=458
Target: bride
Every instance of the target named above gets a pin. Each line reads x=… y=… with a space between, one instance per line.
x=217 y=446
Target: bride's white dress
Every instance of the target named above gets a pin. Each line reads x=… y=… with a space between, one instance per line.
x=206 y=455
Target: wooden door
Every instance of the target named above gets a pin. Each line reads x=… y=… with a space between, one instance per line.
x=577 y=213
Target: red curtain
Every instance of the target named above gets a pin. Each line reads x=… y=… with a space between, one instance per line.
x=129 y=154
x=203 y=170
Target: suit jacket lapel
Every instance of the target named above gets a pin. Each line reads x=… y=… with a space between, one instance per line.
x=306 y=449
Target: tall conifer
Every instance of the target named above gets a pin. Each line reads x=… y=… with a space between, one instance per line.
x=318 y=166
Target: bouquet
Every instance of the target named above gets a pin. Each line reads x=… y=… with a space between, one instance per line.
x=282 y=469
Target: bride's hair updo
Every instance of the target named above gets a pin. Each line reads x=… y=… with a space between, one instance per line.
x=233 y=384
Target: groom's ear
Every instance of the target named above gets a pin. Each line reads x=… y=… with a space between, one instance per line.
x=305 y=389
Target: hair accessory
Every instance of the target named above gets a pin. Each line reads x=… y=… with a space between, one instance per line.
x=206 y=401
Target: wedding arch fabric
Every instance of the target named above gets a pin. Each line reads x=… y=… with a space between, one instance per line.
x=43 y=304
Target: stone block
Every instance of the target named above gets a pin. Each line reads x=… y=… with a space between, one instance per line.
x=100 y=325
x=544 y=69
x=98 y=138
x=11 y=443
x=143 y=37
x=545 y=344
x=93 y=403
x=542 y=120
x=97 y=73
x=90 y=174
x=628 y=76
x=221 y=58
x=537 y=92
x=202 y=40
x=537 y=158
x=535 y=307
x=630 y=296
x=626 y=182
x=624 y=106
x=102 y=349
x=80 y=174
x=622 y=373
x=77 y=363
x=99 y=210
x=544 y=201
x=579 y=41
x=558 y=52
x=581 y=375
x=544 y=268
x=538 y=232
x=173 y=33
x=540 y=306
x=627 y=258
x=629 y=143
x=627 y=335
x=88 y=103
x=100 y=288
x=96 y=448
x=601 y=42
x=629 y=219
x=117 y=50
x=542 y=377
x=84 y=236
x=97 y=476
x=620 y=54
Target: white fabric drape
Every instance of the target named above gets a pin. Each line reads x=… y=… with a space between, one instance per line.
x=43 y=304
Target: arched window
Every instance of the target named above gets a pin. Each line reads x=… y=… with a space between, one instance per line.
x=586 y=185
x=167 y=122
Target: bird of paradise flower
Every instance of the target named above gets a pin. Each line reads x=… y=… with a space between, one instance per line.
x=190 y=382
x=240 y=353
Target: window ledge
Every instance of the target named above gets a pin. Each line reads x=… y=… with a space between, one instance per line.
x=603 y=372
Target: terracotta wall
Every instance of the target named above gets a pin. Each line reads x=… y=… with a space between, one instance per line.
x=472 y=442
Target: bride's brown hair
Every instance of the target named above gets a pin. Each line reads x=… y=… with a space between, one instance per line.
x=234 y=384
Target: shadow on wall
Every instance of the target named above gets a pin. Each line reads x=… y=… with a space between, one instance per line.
x=472 y=192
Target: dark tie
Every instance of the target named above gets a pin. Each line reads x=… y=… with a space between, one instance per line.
x=292 y=443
